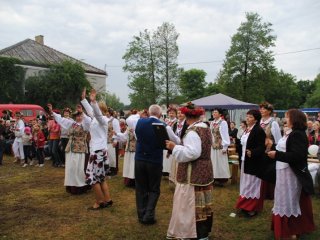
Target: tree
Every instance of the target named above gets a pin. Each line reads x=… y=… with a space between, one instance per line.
x=60 y=85
x=213 y=88
x=249 y=61
x=151 y=61
x=12 y=80
x=313 y=99
x=306 y=87
x=284 y=92
x=167 y=49
x=141 y=63
x=192 y=84
x=113 y=101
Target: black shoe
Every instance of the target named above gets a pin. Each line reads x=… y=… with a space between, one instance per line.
x=107 y=204
x=251 y=214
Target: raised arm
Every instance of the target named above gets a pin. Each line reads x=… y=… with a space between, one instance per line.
x=87 y=107
x=103 y=120
x=63 y=122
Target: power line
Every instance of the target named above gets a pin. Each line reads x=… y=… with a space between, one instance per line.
x=299 y=51
x=219 y=61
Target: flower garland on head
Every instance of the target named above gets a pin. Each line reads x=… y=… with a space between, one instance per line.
x=191 y=110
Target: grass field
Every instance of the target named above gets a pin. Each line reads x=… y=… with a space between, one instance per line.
x=34 y=205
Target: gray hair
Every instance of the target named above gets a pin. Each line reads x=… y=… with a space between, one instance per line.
x=155 y=110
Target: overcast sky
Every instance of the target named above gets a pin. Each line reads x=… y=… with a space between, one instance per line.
x=99 y=31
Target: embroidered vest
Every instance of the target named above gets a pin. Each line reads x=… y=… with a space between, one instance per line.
x=77 y=139
x=216 y=135
x=131 y=143
x=198 y=172
x=110 y=131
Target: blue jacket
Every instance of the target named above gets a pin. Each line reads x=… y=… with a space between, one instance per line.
x=147 y=148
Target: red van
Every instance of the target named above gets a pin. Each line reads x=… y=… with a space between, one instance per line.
x=29 y=111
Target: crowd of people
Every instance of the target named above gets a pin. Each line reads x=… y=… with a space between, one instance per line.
x=88 y=141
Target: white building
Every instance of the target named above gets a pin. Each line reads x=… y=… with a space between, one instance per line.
x=36 y=57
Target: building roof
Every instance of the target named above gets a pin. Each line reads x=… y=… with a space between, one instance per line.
x=31 y=52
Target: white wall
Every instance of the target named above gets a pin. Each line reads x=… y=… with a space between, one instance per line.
x=97 y=81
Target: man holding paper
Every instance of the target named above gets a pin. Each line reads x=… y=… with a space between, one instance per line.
x=148 y=165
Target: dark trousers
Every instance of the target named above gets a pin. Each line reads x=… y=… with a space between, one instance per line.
x=54 y=147
x=2 y=148
x=27 y=149
x=148 y=179
x=40 y=155
x=63 y=144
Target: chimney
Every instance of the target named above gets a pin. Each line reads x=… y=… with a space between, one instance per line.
x=39 y=39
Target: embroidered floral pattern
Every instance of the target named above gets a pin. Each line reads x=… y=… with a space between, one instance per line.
x=77 y=139
x=110 y=131
x=131 y=143
x=217 y=140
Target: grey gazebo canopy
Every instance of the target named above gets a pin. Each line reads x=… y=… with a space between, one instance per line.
x=222 y=101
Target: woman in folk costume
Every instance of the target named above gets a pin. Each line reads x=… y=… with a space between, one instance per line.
x=250 y=201
x=130 y=151
x=273 y=135
x=292 y=209
x=192 y=203
x=76 y=149
x=113 y=127
x=179 y=128
x=219 y=150
x=98 y=166
x=167 y=160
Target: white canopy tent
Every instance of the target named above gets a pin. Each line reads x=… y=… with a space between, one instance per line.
x=237 y=109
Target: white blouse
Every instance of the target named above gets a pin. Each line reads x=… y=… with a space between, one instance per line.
x=275 y=129
x=191 y=148
x=281 y=147
x=98 y=126
x=243 y=140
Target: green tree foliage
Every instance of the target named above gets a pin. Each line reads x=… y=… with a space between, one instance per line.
x=283 y=92
x=192 y=84
x=313 y=99
x=113 y=101
x=12 y=81
x=306 y=87
x=249 y=61
x=151 y=61
x=165 y=38
x=213 y=88
x=141 y=62
x=60 y=85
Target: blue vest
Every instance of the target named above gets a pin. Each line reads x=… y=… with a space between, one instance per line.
x=147 y=148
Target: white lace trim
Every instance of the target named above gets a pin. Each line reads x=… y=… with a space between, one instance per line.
x=287 y=194
x=250 y=185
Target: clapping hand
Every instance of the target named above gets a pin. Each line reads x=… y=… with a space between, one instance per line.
x=93 y=95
